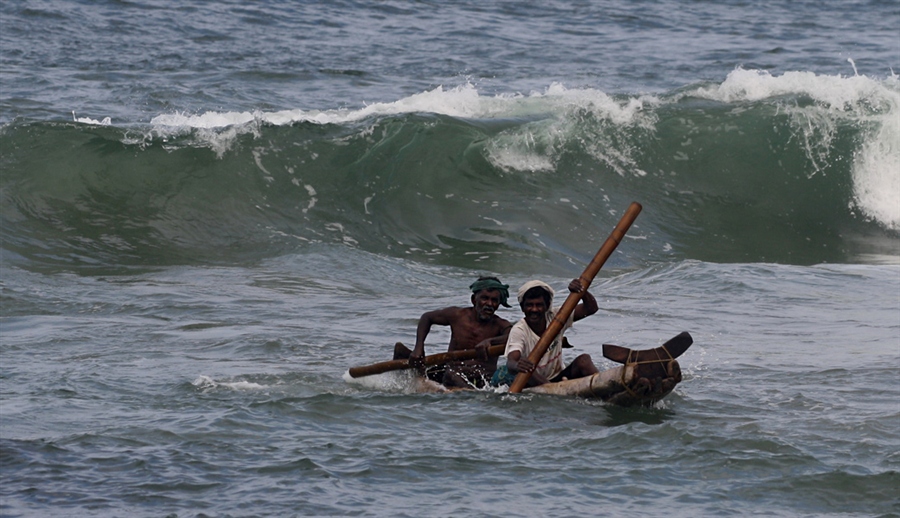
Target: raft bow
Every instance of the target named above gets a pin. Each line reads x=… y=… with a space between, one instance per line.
x=644 y=377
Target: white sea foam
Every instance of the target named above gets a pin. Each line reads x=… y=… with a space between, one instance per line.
x=558 y=112
x=536 y=146
x=876 y=174
x=463 y=101
x=87 y=120
x=838 y=92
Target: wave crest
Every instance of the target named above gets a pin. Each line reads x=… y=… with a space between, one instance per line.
x=758 y=168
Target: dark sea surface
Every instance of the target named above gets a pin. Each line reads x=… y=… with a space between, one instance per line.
x=210 y=211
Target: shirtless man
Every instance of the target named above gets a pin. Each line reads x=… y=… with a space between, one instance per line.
x=476 y=327
x=535 y=299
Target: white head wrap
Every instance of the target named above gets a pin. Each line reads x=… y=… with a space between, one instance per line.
x=535 y=284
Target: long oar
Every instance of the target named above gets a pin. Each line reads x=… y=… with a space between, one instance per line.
x=569 y=305
x=434 y=359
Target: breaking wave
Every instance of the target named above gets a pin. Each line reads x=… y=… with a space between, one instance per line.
x=797 y=168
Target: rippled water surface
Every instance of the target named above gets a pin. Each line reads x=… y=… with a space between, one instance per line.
x=210 y=211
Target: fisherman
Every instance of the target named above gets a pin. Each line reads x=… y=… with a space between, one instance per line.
x=476 y=327
x=535 y=299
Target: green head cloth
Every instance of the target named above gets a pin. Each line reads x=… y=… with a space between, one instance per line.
x=492 y=284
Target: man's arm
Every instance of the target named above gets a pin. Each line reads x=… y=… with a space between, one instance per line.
x=482 y=347
x=588 y=304
x=440 y=317
x=516 y=364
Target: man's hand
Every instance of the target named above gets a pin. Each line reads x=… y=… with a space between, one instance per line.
x=588 y=304
x=417 y=358
x=481 y=350
x=522 y=365
x=575 y=286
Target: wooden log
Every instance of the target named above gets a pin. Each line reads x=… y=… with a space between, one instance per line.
x=433 y=359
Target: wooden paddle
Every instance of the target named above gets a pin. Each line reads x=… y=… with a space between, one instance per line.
x=433 y=359
x=569 y=305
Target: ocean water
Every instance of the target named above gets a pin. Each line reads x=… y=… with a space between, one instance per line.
x=210 y=211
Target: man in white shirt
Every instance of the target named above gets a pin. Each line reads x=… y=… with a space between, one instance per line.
x=535 y=299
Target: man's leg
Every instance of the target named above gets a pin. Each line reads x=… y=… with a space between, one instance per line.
x=580 y=367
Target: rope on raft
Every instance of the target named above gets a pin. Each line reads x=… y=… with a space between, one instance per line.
x=629 y=361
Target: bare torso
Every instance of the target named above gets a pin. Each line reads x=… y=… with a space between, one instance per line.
x=474 y=327
x=467 y=331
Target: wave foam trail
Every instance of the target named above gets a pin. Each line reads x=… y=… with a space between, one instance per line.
x=106 y=121
x=402 y=381
x=555 y=118
x=206 y=383
x=836 y=92
x=462 y=101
